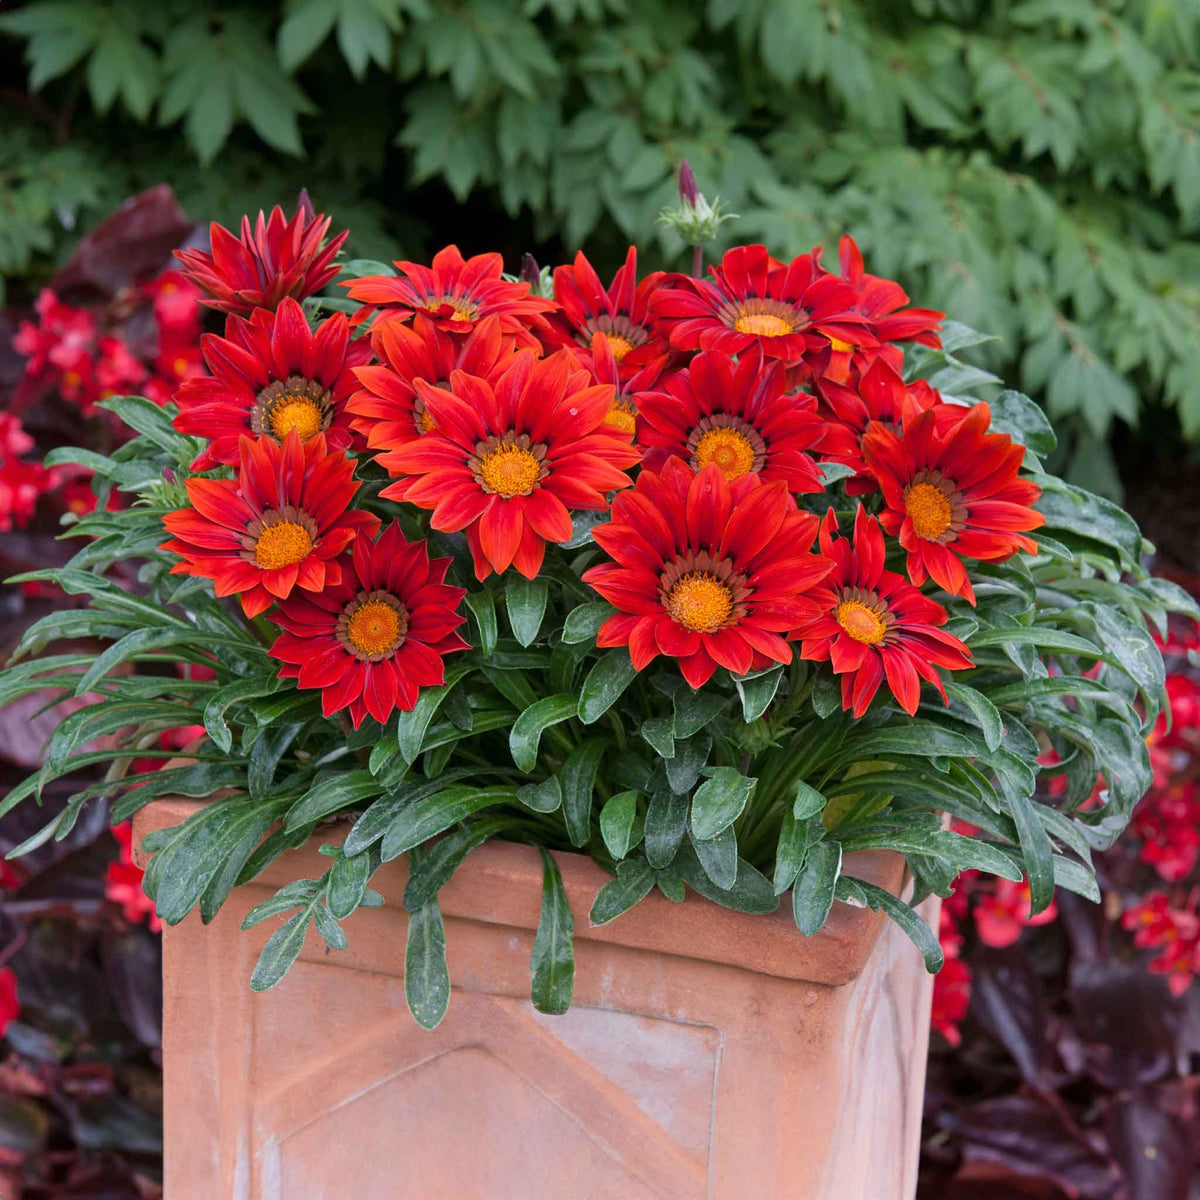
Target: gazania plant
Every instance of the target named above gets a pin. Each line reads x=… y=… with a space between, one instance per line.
x=714 y=579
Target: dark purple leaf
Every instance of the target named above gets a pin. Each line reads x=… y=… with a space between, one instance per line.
x=1032 y=1138
x=1155 y=1149
x=1127 y=1019
x=1006 y=1000
x=132 y=244
x=133 y=971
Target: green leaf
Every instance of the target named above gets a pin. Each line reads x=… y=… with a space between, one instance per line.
x=853 y=889
x=305 y=27
x=431 y=870
x=412 y=726
x=527 y=730
x=617 y=819
x=483 y=609
x=718 y=857
x=142 y=641
x=333 y=935
x=795 y=838
x=1089 y=516
x=578 y=781
x=544 y=797
x=347 y=883
x=719 y=801
x=1024 y=421
x=812 y=893
x=281 y=951
x=525 y=600
x=666 y=823
x=1036 y=849
x=269 y=747
x=372 y=825
x=431 y=815
x=151 y=421
x=985 y=713
x=751 y=893
x=298 y=892
x=694 y=710
x=330 y=791
x=202 y=845
x=1129 y=643
x=659 y=733
x=426 y=975
x=634 y=881
x=553 y=958
x=605 y=682
x=808 y=803
x=826 y=696
x=683 y=770
x=756 y=692
x=220 y=702
x=583 y=623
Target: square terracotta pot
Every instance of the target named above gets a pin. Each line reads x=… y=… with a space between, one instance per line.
x=707 y=1053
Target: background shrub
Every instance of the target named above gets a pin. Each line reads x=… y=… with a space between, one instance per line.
x=1033 y=167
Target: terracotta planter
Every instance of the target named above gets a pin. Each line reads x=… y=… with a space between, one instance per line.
x=707 y=1053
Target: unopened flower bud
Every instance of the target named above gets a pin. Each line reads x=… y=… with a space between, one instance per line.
x=689 y=193
x=531 y=273
x=695 y=219
x=305 y=205
x=168 y=475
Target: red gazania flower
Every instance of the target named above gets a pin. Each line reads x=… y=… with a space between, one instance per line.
x=882 y=303
x=378 y=635
x=276 y=258
x=707 y=572
x=621 y=418
x=734 y=414
x=788 y=310
x=270 y=375
x=278 y=525
x=621 y=312
x=386 y=408
x=881 y=395
x=455 y=293
x=507 y=463
x=952 y=494
x=874 y=624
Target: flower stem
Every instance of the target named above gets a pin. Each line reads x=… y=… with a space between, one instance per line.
x=697 y=261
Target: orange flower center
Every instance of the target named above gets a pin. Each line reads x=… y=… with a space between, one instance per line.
x=621 y=417
x=862 y=623
x=374 y=628
x=281 y=545
x=510 y=470
x=293 y=403
x=840 y=346
x=620 y=346
x=729 y=448
x=763 y=324
x=461 y=310
x=700 y=601
x=929 y=508
x=423 y=420
x=298 y=413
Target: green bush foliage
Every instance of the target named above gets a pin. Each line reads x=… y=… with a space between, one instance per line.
x=1032 y=167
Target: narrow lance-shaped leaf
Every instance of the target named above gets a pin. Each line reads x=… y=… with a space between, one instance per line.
x=605 y=682
x=553 y=957
x=426 y=975
x=812 y=893
x=527 y=730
